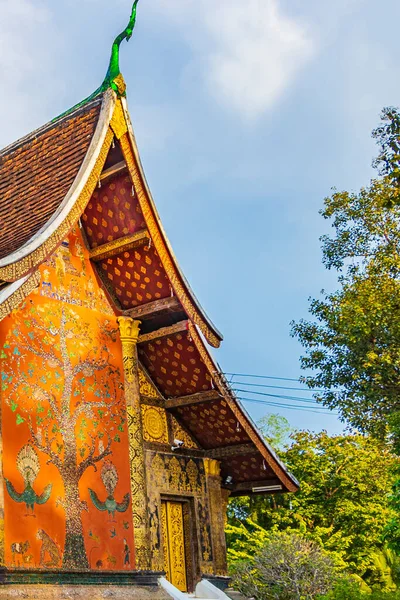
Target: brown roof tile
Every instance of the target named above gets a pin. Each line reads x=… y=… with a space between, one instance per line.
x=37 y=172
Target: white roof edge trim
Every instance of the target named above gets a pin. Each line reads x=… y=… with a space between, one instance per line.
x=76 y=188
x=11 y=288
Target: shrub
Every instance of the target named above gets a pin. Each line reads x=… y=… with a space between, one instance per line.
x=288 y=567
x=351 y=590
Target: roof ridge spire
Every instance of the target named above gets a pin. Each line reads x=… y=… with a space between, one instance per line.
x=114 y=77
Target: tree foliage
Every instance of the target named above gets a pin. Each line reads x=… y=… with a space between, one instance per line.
x=276 y=430
x=388 y=160
x=288 y=567
x=352 y=342
x=342 y=504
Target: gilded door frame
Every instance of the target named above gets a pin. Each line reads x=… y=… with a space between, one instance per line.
x=191 y=538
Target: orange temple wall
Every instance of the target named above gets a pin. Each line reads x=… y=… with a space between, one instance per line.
x=65 y=443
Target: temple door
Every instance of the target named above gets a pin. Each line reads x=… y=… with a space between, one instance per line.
x=172 y=525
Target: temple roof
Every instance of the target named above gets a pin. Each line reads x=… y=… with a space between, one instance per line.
x=37 y=172
x=84 y=168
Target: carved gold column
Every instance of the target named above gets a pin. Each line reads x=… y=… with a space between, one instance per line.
x=129 y=330
x=217 y=514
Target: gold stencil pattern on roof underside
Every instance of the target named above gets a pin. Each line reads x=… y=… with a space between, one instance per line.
x=112 y=213
x=137 y=276
x=167 y=260
x=155 y=428
x=249 y=468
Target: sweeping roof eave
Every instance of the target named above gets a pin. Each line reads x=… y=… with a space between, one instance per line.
x=288 y=481
x=46 y=181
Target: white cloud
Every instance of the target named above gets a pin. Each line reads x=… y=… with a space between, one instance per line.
x=26 y=66
x=19 y=21
x=248 y=52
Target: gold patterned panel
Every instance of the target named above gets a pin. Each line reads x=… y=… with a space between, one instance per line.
x=180 y=434
x=164 y=533
x=217 y=515
x=17 y=298
x=174 y=541
x=155 y=428
x=118 y=122
x=187 y=527
x=174 y=475
x=146 y=387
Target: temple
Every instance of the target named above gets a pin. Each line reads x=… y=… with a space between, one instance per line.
x=121 y=439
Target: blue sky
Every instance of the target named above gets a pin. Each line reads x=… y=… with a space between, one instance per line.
x=246 y=115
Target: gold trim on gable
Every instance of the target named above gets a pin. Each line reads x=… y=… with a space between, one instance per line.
x=20 y=294
x=118 y=121
x=160 y=245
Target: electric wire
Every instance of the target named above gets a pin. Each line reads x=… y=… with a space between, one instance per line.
x=261 y=377
x=310 y=400
x=299 y=403
x=308 y=406
x=276 y=387
x=288 y=406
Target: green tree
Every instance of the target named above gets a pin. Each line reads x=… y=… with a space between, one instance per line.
x=276 y=430
x=388 y=160
x=342 y=503
x=287 y=567
x=352 y=343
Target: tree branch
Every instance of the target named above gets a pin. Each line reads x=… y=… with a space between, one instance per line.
x=46 y=449
x=91 y=460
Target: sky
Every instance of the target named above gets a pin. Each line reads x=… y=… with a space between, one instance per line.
x=246 y=115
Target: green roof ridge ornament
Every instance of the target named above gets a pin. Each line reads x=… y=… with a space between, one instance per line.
x=113 y=78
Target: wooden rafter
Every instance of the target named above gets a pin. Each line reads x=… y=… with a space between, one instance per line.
x=246 y=486
x=141 y=238
x=236 y=450
x=163 y=332
x=112 y=171
x=152 y=308
x=199 y=398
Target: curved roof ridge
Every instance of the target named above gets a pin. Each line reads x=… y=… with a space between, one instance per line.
x=49 y=125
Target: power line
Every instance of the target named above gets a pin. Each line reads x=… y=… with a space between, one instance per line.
x=287 y=406
x=261 y=377
x=318 y=409
x=310 y=400
x=276 y=387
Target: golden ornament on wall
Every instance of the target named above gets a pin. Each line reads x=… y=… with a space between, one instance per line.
x=154 y=424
